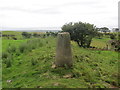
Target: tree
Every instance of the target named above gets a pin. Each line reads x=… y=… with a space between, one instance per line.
x=99 y=35
x=104 y=29
x=54 y=34
x=36 y=35
x=26 y=35
x=47 y=33
x=82 y=33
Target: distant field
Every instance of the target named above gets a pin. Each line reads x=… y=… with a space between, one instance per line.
x=32 y=68
x=11 y=32
x=100 y=43
x=17 y=34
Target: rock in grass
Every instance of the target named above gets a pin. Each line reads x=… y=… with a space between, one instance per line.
x=8 y=81
x=38 y=87
x=68 y=76
x=53 y=66
x=63 y=50
x=56 y=84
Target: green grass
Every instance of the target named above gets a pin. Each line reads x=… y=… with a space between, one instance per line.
x=17 y=34
x=100 y=43
x=91 y=69
x=7 y=42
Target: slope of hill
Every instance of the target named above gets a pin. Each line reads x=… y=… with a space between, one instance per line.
x=33 y=69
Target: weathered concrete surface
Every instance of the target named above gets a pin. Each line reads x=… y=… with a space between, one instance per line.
x=63 y=50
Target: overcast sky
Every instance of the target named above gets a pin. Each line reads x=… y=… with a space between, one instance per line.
x=36 y=14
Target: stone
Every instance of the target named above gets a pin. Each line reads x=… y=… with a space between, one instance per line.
x=9 y=81
x=63 y=50
x=53 y=66
x=56 y=84
x=68 y=76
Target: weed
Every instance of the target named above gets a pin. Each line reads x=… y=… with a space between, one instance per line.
x=9 y=61
x=33 y=61
x=22 y=47
x=5 y=55
x=17 y=52
x=11 y=49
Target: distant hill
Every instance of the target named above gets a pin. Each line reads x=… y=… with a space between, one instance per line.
x=38 y=30
x=34 y=30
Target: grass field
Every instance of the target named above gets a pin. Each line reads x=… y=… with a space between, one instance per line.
x=6 y=43
x=17 y=34
x=100 y=43
x=32 y=69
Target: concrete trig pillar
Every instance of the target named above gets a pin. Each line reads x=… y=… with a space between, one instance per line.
x=63 y=50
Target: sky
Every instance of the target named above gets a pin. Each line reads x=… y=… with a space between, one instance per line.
x=119 y=16
x=53 y=14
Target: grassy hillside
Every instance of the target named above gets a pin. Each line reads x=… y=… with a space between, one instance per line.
x=32 y=67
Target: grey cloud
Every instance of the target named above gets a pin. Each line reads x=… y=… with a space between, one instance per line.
x=114 y=18
x=94 y=4
x=41 y=11
x=55 y=9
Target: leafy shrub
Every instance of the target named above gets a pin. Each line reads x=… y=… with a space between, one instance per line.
x=26 y=34
x=112 y=36
x=36 y=35
x=115 y=44
x=14 y=38
x=82 y=33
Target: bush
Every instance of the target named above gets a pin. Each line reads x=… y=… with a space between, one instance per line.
x=14 y=38
x=26 y=35
x=36 y=35
x=99 y=35
x=115 y=44
x=54 y=34
x=112 y=36
x=82 y=33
